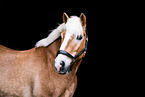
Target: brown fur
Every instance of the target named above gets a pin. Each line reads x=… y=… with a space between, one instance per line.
x=31 y=73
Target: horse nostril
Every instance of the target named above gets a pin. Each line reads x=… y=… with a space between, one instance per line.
x=62 y=63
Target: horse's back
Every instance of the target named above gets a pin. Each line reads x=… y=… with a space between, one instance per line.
x=6 y=49
x=3 y=48
x=6 y=54
x=10 y=56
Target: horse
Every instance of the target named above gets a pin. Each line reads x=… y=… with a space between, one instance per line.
x=49 y=69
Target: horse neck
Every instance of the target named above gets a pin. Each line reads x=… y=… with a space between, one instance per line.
x=53 y=48
x=51 y=51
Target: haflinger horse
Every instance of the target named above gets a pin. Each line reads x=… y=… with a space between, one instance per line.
x=49 y=69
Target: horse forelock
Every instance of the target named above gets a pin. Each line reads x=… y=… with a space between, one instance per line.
x=73 y=26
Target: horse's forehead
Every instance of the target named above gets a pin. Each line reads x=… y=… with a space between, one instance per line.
x=73 y=26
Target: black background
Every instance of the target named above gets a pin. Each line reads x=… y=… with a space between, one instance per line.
x=22 y=24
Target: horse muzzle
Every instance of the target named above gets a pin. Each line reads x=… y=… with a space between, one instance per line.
x=62 y=64
x=61 y=69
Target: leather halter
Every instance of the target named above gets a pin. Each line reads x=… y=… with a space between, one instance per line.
x=69 y=55
x=76 y=56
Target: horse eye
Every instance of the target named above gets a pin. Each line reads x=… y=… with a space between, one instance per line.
x=79 y=37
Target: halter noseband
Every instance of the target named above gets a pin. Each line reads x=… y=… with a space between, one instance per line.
x=69 y=55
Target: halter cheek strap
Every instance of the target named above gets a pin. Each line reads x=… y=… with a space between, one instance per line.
x=69 y=55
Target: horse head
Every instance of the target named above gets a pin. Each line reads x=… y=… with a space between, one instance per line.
x=73 y=43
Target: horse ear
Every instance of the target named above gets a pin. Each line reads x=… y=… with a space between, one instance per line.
x=83 y=19
x=65 y=17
